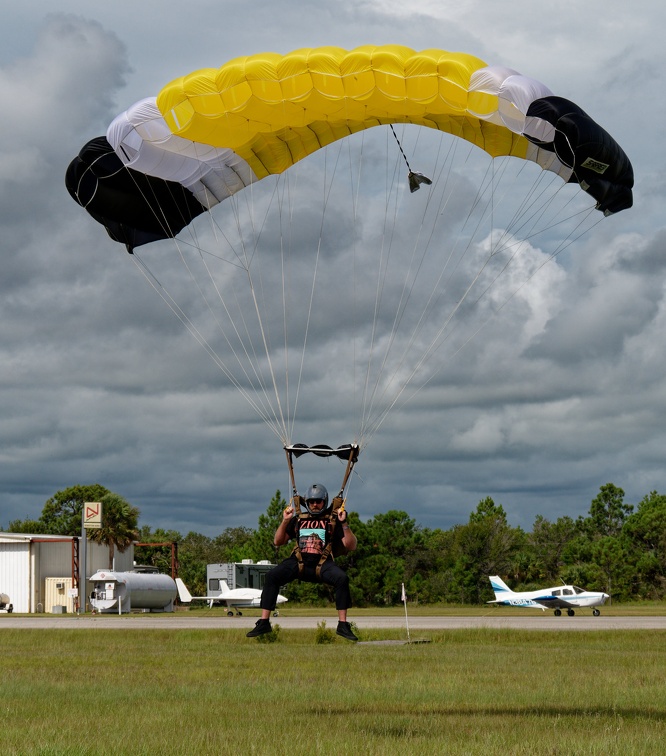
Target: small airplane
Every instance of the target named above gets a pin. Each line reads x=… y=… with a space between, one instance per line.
x=567 y=597
x=238 y=598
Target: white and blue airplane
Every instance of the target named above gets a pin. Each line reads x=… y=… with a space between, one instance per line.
x=568 y=597
x=236 y=598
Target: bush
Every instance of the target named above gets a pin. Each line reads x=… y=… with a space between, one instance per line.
x=323 y=634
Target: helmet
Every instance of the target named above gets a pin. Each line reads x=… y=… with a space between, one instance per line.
x=316 y=491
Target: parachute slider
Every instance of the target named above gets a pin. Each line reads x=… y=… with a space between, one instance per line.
x=346 y=451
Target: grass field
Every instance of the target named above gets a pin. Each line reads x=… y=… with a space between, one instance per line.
x=217 y=692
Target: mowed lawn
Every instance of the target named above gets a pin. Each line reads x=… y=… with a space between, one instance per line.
x=189 y=691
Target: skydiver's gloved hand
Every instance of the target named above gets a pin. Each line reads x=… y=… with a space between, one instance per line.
x=288 y=513
x=342 y=515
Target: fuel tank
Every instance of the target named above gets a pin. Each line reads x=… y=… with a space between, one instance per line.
x=119 y=592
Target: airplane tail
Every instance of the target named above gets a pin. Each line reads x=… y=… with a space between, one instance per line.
x=500 y=588
x=183 y=594
x=223 y=586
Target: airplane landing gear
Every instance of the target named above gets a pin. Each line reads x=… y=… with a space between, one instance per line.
x=557 y=612
x=596 y=612
x=570 y=612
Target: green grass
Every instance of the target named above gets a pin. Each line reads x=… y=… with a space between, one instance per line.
x=217 y=692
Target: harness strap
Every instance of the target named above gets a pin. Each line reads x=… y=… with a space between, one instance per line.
x=330 y=530
x=299 y=557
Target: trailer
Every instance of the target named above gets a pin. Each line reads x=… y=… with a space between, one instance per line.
x=245 y=574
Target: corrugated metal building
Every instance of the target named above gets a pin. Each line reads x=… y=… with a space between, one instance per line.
x=36 y=571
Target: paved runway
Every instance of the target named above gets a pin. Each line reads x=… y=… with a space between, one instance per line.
x=183 y=621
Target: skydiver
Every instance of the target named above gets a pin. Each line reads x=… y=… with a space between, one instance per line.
x=312 y=536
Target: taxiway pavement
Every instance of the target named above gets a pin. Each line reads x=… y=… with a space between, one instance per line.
x=179 y=621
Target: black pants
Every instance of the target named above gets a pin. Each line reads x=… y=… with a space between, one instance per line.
x=287 y=571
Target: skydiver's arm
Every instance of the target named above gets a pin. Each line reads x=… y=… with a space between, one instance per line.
x=281 y=534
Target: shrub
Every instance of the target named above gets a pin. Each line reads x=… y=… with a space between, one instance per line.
x=323 y=634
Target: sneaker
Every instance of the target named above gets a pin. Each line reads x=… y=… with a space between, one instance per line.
x=261 y=627
x=344 y=629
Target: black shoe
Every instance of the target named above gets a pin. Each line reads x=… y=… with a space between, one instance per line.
x=344 y=629
x=261 y=627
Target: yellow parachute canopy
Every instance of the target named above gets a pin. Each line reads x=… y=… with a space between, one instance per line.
x=273 y=110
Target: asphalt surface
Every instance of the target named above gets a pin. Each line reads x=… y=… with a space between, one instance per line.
x=184 y=621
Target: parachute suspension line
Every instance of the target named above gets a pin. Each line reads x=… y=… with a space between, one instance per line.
x=411 y=276
x=200 y=338
x=285 y=195
x=247 y=342
x=392 y=193
x=564 y=244
x=445 y=170
x=289 y=194
x=506 y=243
x=527 y=228
x=530 y=210
x=181 y=315
x=254 y=289
x=326 y=198
x=268 y=356
x=486 y=182
x=354 y=172
x=382 y=270
x=261 y=388
x=437 y=341
x=355 y=193
x=285 y=321
x=153 y=203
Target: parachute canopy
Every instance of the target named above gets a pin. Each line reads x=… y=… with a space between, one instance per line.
x=217 y=130
x=318 y=284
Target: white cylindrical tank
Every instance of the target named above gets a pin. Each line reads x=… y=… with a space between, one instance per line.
x=5 y=603
x=119 y=592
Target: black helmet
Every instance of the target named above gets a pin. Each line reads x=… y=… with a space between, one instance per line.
x=316 y=491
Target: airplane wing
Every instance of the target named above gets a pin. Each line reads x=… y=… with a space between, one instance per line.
x=555 y=602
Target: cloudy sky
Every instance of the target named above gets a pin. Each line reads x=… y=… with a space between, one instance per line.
x=564 y=391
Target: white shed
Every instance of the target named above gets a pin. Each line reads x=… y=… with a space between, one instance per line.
x=38 y=570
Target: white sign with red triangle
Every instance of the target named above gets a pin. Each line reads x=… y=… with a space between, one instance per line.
x=92 y=514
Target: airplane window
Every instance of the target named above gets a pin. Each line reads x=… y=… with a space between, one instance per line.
x=577 y=589
x=557 y=593
x=567 y=592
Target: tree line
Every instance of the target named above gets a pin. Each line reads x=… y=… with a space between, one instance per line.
x=617 y=547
